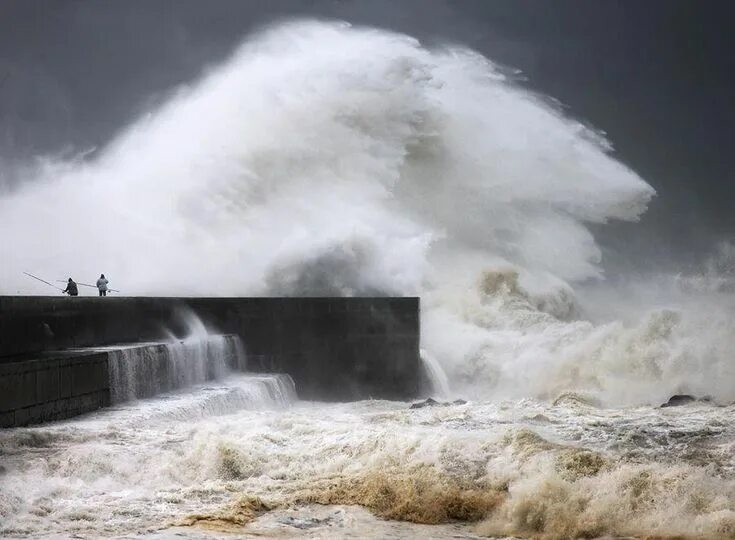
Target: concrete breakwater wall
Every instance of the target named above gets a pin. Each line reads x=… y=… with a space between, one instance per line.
x=62 y=384
x=333 y=348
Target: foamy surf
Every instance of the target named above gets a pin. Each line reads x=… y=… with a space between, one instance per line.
x=516 y=468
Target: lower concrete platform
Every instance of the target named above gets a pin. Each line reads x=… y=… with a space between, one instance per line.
x=64 y=384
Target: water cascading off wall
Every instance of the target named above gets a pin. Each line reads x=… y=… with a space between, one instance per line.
x=141 y=371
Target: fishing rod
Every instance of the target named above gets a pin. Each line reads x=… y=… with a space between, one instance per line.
x=87 y=285
x=43 y=281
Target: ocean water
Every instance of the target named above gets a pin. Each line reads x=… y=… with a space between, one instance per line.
x=325 y=159
x=243 y=457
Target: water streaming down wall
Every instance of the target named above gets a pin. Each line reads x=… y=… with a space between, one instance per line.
x=238 y=392
x=438 y=380
x=274 y=390
x=142 y=371
x=77 y=381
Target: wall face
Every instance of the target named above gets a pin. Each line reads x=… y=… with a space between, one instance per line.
x=46 y=389
x=64 y=384
x=335 y=349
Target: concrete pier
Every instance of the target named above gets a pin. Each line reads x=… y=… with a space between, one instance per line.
x=335 y=349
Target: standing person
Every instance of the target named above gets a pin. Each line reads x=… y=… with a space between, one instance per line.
x=102 y=285
x=71 y=288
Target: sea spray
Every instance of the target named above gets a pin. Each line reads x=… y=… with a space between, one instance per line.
x=328 y=159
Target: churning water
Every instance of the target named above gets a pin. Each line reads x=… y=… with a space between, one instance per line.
x=241 y=457
x=326 y=159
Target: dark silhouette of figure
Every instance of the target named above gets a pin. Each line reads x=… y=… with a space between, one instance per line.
x=102 y=285
x=71 y=288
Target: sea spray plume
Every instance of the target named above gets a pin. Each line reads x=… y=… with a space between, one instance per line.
x=327 y=159
x=503 y=344
x=285 y=151
x=316 y=137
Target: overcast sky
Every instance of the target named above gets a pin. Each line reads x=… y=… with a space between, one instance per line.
x=657 y=76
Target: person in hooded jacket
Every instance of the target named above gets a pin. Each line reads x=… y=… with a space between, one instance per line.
x=102 y=285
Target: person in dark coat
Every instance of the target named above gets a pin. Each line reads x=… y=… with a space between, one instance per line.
x=71 y=288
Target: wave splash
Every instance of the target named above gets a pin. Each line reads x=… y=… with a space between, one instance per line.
x=327 y=159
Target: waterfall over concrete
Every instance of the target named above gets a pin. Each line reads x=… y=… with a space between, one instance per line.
x=233 y=394
x=437 y=377
x=140 y=371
